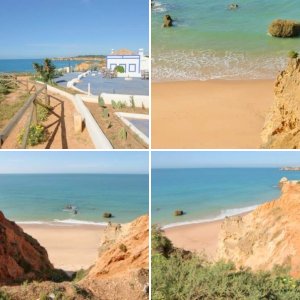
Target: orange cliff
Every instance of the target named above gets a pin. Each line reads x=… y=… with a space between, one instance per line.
x=21 y=256
x=266 y=237
x=282 y=125
x=121 y=271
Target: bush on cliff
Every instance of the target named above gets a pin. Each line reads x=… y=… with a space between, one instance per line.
x=284 y=28
x=176 y=277
x=293 y=54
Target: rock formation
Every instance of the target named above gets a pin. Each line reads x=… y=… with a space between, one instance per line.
x=266 y=237
x=284 y=28
x=21 y=256
x=123 y=261
x=168 y=21
x=282 y=125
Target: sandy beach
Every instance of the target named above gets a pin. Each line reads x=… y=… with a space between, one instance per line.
x=211 y=114
x=69 y=247
x=201 y=237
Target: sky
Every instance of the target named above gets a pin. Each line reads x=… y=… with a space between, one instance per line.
x=55 y=28
x=216 y=159
x=36 y=162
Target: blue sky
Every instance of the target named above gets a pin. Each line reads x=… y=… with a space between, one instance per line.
x=48 y=28
x=134 y=162
x=225 y=159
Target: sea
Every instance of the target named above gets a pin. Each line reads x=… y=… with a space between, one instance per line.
x=25 y=65
x=209 y=41
x=42 y=198
x=212 y=194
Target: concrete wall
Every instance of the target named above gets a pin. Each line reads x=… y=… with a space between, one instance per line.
x=139 y=100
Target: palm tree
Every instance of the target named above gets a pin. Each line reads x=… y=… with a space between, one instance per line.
x=46 y=71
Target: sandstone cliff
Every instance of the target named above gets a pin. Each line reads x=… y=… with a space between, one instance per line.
x=266 y=237
x=121 y=271
x=21 y=256
x=282 y=125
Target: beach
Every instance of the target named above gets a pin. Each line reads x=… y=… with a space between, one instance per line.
x=210 y=114
x=201 y=237
x=70 y=248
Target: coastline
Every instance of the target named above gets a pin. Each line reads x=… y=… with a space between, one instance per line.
x=70 y=248
x=198 y=237
x=189 y=114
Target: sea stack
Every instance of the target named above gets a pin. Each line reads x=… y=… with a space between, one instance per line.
x=168 y=21
x=284 y=28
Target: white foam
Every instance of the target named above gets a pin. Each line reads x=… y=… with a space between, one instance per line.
x=67 y=222
x=159 y=7
x=206 y=65
x=224 y=213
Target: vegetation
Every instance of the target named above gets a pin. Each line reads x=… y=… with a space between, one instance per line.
x=284 y=28
x=37 y=135
x=57 y=275
x=79 y=275
x=132 y=102
x=118 y=105
x=4 y=296
x=293 y=54
x=123 y=248
x=123 y=134
x=45 y=71
x=120 y=69
x=105 y=113
x=101 y=101
x=183 y=277
x=42 y=113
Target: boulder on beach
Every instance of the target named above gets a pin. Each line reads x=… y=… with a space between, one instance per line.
x=284 y=28
x=168 y=21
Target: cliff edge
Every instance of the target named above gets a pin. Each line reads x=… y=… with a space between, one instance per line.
x=282 y=126
x=21 y=256
x=266 y=237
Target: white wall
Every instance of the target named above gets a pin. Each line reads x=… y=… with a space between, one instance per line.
x=127 y=61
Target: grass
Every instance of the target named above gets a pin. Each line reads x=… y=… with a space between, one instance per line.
x=176 y=277
x=4 y=296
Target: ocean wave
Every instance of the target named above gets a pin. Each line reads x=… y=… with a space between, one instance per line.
x=159 y=7
x=184 y=65
x=67 y=222
x=224 y=213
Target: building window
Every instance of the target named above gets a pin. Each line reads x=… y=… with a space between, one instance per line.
x=112 y=66
x=132 y=68
x=124 y=66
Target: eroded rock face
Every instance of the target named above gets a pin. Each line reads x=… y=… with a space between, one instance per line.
x=21 y=256
x=121 y=271
x=284 y=28
x=282 y=125
x=266 y=237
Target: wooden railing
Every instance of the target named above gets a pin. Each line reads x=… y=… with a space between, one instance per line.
x=30 y=104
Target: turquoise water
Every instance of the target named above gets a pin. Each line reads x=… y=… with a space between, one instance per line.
x=42 y=198
x=210 y=194
x=25 y=65
x=209 y=41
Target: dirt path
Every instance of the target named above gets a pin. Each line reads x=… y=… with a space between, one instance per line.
x=60 y=127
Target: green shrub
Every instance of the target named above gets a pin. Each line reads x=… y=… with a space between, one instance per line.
x=123 y=134
x=79 y=275
x=159 y=243
x=81 y=291
x=123 y=248
x=177 y=277
x=132 y=102
x=4 y=296
x=120 y=69
x=57 y=275
x=101 y=101
x=42 y=113
x=105 y=113
x=118 y=105
x=37 y=134
x=293 y=54
x=114 y=104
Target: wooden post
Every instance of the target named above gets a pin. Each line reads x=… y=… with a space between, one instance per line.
x=34 y=113
x=47 y=99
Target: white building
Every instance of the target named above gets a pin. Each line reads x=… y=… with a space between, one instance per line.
x=133 y=64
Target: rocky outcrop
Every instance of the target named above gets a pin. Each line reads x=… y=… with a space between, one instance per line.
x=284 y=28
x=21 y=256
x=121 y=272
x=266 y=237
x=282 y=126
x=168 y=21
